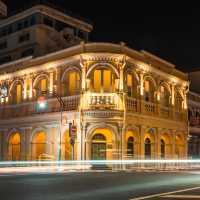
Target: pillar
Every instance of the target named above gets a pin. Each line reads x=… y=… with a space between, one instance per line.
x=22 y=144
x=142 y=133
x=51 y=83
x=83 y=142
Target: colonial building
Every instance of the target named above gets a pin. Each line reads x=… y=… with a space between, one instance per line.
x=125 y=104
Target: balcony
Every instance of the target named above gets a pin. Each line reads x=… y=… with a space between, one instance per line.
x=154 y=109
x=30 y=108
x=102 y=101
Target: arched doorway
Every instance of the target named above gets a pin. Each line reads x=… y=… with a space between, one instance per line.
x=101 y=145
x=98 y=147
x=179 y=147
x=130 y=147
x=162 y=148
x=147 y=148
x=14 y=147
x=38 y=145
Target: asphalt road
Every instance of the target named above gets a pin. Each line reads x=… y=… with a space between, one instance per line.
x=100 y=186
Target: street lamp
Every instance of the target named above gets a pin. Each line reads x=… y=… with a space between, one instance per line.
x=42 y=104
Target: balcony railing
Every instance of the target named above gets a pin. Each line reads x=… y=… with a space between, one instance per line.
x=110 y=101
x=30 y=108
x=92 y=102
x=154 y=109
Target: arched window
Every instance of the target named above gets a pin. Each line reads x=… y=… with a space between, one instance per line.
x=38 y=145
x=178 y=102
x=131 y=84
x=164 y=96
x=147 y=146
x=162 y=148
x=130 y=147
x=71 y=83
x=99 y=136
x=17 y=93
x=14 y=147
x=41 y=87
x=98 y=150
x=149 y=91
x=103 y=80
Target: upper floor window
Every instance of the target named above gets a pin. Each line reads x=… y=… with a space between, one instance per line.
x=103 y=80
x=24 y=37
x=48 y=21
x=71 y=83
x=149 y=91
x=5 y=59
x=27 y=52
x=41 y=87
x=17 y=94
x=131 y=85
x=3 y=45
x=164 y=96
x=178 y=101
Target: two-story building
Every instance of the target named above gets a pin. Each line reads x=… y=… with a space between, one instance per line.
x=125 y=104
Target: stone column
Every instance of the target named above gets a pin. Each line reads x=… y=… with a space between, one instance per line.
x=25 y=88
x=30 y=87
x=79 y=140
x=173 y=144
x=51 y=83
x=142 y=133
x=28 y=143
x=158 y=145
x=5 y=145
x=83 y=142
x=22 y=144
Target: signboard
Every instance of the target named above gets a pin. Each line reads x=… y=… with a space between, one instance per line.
x=72 y=133
x=3 y=91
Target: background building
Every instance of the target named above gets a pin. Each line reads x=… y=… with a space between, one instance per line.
x=124 y=103
x=39 y=30
x=194 y=115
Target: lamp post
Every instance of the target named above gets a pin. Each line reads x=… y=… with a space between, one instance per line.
x=43 y=104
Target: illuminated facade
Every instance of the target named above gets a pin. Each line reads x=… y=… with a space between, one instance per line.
x=125 y=104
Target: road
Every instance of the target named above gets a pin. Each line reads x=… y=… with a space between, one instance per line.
x=100 y=186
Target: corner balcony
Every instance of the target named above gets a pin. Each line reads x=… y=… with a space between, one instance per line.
x=102 y=101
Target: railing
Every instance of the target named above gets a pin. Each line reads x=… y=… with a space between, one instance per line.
x=110 y=101
x=164 y=111
x=132 y=104
x=154 y=109
x=92 y=102
x=30 y=108
x=148 y=108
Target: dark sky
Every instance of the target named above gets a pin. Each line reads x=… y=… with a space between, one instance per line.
x=169 y=31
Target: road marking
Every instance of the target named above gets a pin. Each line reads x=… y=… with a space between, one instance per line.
x=164 y=194
x=182 y=196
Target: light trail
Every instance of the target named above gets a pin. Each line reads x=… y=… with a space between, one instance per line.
x=99 y=162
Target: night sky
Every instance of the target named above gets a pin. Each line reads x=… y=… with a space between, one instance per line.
x=168 y=31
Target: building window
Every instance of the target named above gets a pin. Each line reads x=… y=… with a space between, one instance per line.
x=19 y=26
x=130 y=147
x=27 y=52
x=5 y=59
x=24 y=38
x=162 y=148
x=48 y=21
x=3 y=45
x=18 y=93
x=147 y=150
x=103 y=80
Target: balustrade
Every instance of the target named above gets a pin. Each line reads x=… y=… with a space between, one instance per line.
x=93 y=101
